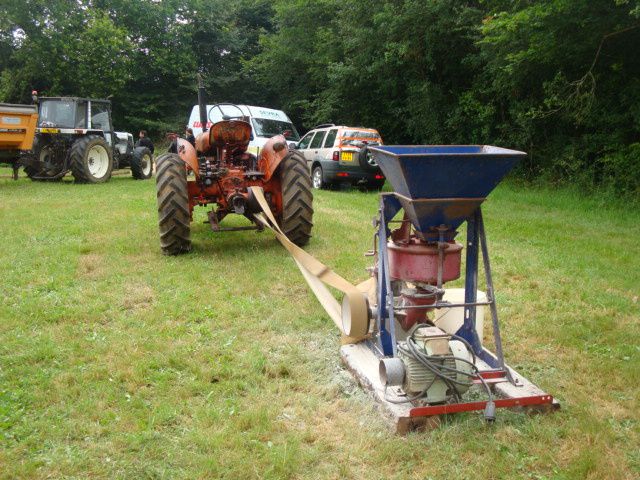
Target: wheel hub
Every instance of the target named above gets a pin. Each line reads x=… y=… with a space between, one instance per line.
x=146 y=164
x=98 y=161
x=317 y=178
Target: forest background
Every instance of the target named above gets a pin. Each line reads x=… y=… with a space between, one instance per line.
x=559 y=79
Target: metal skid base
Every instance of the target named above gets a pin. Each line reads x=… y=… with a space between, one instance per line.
x=362 y=362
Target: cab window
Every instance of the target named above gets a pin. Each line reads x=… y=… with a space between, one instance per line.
x=331 y=137
x=100 y=117
x=317 y=139
x=81 y=114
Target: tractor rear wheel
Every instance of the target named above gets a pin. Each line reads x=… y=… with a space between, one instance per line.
x=91 y=160
x=141 y=163
x=174 y=217
x=297 y=199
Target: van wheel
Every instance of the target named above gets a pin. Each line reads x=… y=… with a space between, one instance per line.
x=317 y=179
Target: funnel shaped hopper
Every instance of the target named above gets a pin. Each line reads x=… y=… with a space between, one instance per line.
x=443 y=184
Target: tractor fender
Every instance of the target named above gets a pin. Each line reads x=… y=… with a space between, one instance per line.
x=188 y=155
x=272 y=154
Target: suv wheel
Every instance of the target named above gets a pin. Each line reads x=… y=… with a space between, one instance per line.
x=317 y=179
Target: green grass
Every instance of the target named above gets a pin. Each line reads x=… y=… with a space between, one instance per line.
x=118 y=362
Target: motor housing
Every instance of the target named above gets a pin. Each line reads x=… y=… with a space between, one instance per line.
x=448 y=356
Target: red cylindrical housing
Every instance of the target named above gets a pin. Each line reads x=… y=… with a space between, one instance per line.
x=417 y=261
x=411 y=297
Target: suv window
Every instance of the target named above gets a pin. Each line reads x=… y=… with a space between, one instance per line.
x=356 y=137
x=317 y=139
x=331 y=137
x=304 y=143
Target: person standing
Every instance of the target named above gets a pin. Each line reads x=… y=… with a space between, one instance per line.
x=144 y=141
x=189 y=136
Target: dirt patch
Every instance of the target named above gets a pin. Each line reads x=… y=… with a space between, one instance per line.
x=91 y=266
x=138 y=296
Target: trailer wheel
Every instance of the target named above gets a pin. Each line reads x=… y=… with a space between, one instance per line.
x=297 y=199
x=141 y=163
x=174 y=217
x=91 y=160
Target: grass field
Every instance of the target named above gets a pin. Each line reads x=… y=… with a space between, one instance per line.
x=118 y=362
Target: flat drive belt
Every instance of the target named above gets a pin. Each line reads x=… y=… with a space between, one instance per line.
x=351 y=315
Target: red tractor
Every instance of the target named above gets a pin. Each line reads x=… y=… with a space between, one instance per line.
x=219 y=172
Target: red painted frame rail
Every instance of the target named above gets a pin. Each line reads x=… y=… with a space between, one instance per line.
x=471 y=406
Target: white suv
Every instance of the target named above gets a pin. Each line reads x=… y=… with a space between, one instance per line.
x=340 y=154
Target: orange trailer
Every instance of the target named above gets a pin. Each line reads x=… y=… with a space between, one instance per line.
x=17 y=130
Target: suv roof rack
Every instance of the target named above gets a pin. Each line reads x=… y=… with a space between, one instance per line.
x=324 y=125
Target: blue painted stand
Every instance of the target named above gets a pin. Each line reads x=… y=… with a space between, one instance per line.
x=385 y=344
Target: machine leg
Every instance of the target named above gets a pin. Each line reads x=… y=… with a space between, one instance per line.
x=468 y=329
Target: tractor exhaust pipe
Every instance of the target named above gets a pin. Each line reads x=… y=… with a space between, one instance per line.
x=202 y=103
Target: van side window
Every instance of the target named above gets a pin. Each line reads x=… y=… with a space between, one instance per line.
x=304 y=143
x=331 y=137
x=317 y=139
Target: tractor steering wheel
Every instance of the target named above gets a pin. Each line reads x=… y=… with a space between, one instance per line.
x=242 y=116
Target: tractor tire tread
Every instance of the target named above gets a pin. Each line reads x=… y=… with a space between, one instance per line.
x=297 y=199
x=136 y=163
x=77 y=159
x=174 y=217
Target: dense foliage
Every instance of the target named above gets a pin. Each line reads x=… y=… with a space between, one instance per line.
x=559 y=79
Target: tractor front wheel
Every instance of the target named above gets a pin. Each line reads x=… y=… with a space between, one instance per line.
x=91 y=160
x=297 y=199
x=141 y=163
x=43 y=165
x=174 y=217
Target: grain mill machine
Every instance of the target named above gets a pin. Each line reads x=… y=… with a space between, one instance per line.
x=424 y=365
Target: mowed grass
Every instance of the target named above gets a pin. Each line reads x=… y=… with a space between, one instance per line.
x=118 y=362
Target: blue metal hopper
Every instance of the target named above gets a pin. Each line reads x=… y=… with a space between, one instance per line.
x=443 y=184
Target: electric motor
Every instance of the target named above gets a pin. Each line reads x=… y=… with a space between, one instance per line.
x=430 y=363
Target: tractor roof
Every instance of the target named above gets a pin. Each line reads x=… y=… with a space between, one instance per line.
x=75 y=99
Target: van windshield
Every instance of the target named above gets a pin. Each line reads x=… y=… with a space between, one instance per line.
x=266 y=127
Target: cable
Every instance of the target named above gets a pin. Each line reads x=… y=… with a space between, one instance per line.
x=436 y=365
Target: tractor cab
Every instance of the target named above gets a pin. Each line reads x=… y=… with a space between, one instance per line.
x=74 y=115
x=76 y=134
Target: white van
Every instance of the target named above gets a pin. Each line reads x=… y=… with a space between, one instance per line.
x=265 y=122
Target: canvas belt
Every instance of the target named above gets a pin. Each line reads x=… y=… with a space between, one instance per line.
x=351 y=315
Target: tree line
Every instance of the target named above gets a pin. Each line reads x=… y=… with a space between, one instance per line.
x=559 y=79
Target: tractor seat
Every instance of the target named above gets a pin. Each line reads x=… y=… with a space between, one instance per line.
x=230 y=134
